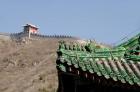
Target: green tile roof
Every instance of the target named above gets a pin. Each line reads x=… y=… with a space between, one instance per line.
x=111 y=64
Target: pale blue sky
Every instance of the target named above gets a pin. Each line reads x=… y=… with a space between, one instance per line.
x=106 y=21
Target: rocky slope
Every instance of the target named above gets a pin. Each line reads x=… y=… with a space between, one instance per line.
x=28 y=67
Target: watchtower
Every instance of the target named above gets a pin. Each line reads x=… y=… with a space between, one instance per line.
x=30 y=29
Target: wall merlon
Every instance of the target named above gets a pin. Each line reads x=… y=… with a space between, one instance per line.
x=33 y=36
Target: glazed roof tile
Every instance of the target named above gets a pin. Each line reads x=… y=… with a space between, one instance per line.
x=114 y=67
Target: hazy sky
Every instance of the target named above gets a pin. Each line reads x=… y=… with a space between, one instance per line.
x=104 y=20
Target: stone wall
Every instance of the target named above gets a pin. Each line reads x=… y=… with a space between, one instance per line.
x=32 y=36
x=4 y=36
x=39 y=36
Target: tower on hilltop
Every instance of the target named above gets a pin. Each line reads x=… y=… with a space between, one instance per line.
x=30 y=29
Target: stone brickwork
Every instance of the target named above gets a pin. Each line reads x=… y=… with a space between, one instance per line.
x=15 y=36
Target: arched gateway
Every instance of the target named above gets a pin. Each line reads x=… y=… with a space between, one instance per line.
x=88 y=68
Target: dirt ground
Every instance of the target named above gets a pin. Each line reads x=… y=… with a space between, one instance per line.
x=28 y=67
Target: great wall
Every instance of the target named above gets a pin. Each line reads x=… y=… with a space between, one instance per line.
x=27 y=60
x=27 y=33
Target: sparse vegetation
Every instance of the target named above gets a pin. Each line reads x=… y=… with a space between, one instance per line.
x=28 y=67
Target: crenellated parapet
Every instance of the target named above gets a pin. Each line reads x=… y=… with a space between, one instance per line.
x=31 y=32
x=40 y=36
x=22 y=35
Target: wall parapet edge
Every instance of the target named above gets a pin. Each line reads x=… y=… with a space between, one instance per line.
x=21 y=35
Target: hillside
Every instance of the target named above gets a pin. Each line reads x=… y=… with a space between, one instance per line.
x=28 y=67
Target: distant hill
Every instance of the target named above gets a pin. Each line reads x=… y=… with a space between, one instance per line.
x=28 y=67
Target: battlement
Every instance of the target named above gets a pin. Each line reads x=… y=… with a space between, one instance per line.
x=31 y=32
x=38 y=36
